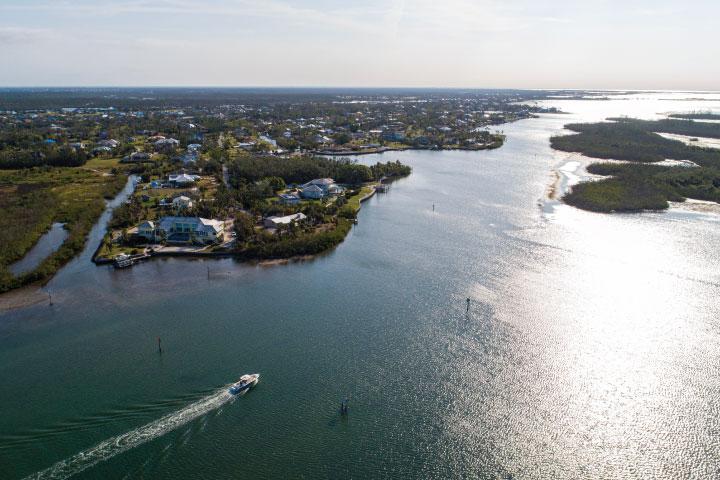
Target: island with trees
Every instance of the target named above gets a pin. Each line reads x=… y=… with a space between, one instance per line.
x=644 y=170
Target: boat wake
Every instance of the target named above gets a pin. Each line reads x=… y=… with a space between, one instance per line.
x=122 y=443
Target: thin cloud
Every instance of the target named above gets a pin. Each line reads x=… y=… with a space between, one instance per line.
x=11 y=35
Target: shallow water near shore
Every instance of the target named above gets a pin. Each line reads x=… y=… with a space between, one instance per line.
x=47 y=244
x=589 y=349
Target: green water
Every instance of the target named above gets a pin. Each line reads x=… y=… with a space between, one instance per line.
x=589 y=351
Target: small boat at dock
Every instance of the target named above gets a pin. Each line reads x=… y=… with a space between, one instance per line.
x=123 y=261
x=246 y=383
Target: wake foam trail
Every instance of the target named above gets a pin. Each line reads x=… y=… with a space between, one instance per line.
x=122 y=443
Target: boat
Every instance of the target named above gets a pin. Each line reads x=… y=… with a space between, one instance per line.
x=246 y=383
x=123 y=261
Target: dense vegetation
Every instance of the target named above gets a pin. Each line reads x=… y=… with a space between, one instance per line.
x=295 y=244
x=634 y=140
x=301 y=169
x=32 y=199
x=57 y=157
x=696 y=116
x=678 y=127
x=640 y=185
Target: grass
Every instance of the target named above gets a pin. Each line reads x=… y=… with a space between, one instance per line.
x=354 y=201
x=117 y=249
x=32 y=199
x=103 y=163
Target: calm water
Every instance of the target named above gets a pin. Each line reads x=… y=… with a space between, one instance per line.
x=590 y=349
x=48 y=243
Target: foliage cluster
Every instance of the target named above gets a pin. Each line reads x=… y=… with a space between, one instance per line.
x=71 y=196
x=302 y=168
x=641 y=185
x=267 y=247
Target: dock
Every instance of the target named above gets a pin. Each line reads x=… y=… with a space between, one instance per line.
x=124 y=261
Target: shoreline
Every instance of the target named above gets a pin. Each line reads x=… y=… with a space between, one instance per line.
x=346 y=153
x=98 y=260
x=563 y=181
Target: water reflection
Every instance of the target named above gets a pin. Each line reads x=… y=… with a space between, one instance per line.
x=589 y=351
x=47 y=244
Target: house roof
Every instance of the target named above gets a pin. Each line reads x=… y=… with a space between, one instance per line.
x=199 y=224
x=322 y=181
x=148 y=225
x=209 y=225
x=182 y=178
x=312 y=188
x=287 y=219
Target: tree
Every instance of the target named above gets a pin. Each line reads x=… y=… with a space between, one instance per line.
x=342 y=138
x=276 y=183
x=354 y=174
x=244 y=227
x=315 y=211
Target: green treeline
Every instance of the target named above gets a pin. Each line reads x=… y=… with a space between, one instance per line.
x=24 y=219
x=56 y=157
x=678 y=127
x=640 y=185
x=302 y=169
x=633 y=140
x=696 y=116
x=304 y=244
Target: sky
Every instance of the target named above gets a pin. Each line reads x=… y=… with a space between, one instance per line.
x=630 y=44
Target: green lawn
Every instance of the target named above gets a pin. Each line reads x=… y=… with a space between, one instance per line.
x=354 y=201
x=103 y=163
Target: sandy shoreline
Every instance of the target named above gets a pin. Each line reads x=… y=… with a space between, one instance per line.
x=22 y=297
x=572 y=169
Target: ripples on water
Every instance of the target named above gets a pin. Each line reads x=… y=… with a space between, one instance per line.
x=590 y=348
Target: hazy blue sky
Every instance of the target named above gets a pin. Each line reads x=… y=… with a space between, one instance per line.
x=452 y=43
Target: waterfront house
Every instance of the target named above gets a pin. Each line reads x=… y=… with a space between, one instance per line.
x=146 y=229
x=323 y=183
x=182 y=229
x=289 y=199
x=312 y=191
x=273 y=222
x=393 y=135
x=327 y=185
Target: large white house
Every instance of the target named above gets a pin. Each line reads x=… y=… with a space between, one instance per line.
x=312 y=191
x=273 y=222
x=182 y=178
x=182 y=229
x=327 y=187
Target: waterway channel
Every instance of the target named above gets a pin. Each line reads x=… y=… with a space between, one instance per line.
x=589 y=349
